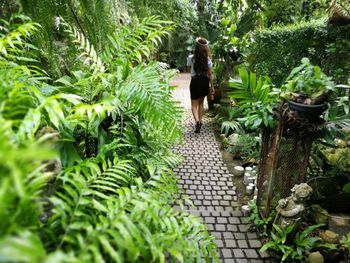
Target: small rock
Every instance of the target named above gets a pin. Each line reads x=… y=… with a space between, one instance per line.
x=329 y=237
x=248 y=169
x=245 y=210
x=315 y=257
x=238 y=171
x=339 y=223
x=340 y=143
x=249 y=190
x=245 y=178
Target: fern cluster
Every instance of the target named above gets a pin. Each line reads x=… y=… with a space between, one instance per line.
x=86 y=161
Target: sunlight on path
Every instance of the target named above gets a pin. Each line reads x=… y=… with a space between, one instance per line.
x=206 y=180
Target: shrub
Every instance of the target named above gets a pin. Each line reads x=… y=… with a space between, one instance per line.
x=281 y=48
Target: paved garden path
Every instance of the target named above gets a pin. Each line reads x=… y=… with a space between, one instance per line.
x=206 y=180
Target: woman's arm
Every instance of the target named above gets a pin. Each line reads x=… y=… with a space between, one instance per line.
x=211 y=83
x=189 y=63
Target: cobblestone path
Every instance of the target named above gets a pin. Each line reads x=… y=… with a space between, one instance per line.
x=206 y=180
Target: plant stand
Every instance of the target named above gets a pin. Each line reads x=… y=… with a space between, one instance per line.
x=284 y=156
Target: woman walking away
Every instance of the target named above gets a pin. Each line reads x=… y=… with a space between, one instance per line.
x=201 y=79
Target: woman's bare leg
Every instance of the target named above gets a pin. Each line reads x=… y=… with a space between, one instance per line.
x=200 y=109
x=194 y=107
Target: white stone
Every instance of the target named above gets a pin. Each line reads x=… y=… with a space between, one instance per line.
x=246 y=177
x=249 y=189
x=245 y=210
x=238 y=171
x=248 y=169
x=251 y=180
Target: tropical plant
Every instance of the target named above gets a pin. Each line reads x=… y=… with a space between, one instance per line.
x=256 y=98
x=95 y=19
x=309 y=81
x=139 y=88
x=230 y=126
x=187 y=19
x=293 y=248
x=22 y=182
x=345 y=243
x=113 y=124
x=257 y=222
x=228 y=46
x=282 y=11
x=126 y=229
x=243 y=145
x=226 y=118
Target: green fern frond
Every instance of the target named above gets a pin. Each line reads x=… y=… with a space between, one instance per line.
x=24 y=247
x=88 y=54
x=15 y=41
x=84 y=188
x=137 y=42
x=229 y=126
x=150 y=97
x=23 y=178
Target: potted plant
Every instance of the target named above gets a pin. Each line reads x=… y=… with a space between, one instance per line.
x=308 y=89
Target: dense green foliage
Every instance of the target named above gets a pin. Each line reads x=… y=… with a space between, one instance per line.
x=85 y=159
x=286 y=12
x=256 y=99
x=192 y=18
x=94 y=19
x=294 y=247
x=280 y=49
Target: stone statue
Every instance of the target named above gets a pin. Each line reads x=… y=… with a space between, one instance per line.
x=291 y=209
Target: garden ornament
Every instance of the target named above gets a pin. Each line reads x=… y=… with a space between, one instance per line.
x=291 y=209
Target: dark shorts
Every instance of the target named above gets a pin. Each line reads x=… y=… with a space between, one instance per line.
x=199 y=87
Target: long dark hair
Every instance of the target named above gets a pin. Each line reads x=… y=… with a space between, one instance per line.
x=201 y=56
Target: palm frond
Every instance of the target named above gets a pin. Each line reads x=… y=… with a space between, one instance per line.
x=88 y=54
x=150 y=97
x=249 y=89
x=137 y=42
x=228 y=126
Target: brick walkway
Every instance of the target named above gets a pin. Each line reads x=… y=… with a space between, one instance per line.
x=206 y=180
